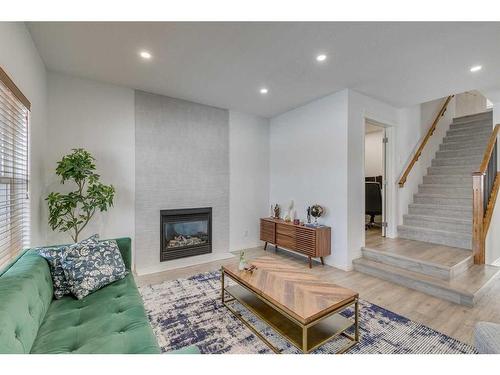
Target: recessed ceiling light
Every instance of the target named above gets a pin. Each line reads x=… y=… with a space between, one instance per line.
x=476 y=68
x=145 y=55
x=321 y=57
x=263 y=91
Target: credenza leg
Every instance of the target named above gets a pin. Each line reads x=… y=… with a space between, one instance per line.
x=265 y=246
x=275 y=248
x=322 y=261
x=310 y=262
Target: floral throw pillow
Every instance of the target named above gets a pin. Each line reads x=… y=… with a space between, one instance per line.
x=93 y=266
x=53 y=255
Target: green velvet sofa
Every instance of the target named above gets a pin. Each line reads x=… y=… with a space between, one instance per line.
x=110 y=320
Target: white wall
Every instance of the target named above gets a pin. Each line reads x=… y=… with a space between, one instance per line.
x=414 y=123
x=308 y=164
x=100 y=118
x=374 y=153
x=469 y=103
x=20 y=59
x=362 y=107
x=248 y=177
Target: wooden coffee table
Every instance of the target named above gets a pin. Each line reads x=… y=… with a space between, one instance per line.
x=298 y=305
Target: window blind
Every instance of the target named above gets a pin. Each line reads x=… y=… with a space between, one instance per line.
x=14 y=202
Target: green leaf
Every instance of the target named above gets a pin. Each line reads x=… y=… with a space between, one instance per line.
x=71 y=212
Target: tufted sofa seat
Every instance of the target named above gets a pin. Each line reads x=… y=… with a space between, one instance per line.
x=110 y=320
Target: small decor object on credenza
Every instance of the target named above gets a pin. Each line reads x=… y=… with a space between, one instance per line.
x=277 y=211
x=296 y=221
x=309 y=215
x=317 y=211
x=290 y=215
x=243 y=262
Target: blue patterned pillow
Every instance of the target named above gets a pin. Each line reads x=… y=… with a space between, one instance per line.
x=93 y=266
x=54 y=255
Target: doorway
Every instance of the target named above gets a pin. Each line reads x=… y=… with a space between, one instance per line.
x=375 y=180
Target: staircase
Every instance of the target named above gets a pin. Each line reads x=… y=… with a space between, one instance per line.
x=441 y=211
x=433 y=252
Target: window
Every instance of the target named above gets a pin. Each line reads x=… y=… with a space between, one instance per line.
x=14 y=203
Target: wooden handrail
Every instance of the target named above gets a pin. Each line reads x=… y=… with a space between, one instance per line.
x=489 y=150
x=481 y=213
x=431 y=130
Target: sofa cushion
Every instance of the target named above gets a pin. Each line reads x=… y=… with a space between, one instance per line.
x=111 y=320
x=25 y=296
x=90 y=266
x=487 y=338
x=53 y=256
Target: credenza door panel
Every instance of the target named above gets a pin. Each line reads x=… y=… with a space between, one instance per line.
x=287 y=242
x=267 y=231
x=305 y=241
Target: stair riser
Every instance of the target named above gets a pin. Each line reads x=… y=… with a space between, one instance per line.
x=452 y=146
x=474 y=118
x=444 y=201
x=466 y=181
x=465 y=192
x=408 y=264
x=440 y=212
x=442 y=171
x=476 y=151
x=434 y=290
x=454 y=240
x=468 y=131
x=484 y=124
x=466 y=161
x=479 y=138
x=438 y=224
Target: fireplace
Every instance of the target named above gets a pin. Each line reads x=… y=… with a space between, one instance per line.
x=185 y=233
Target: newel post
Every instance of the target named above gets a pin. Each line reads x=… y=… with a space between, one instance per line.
x=478 y=247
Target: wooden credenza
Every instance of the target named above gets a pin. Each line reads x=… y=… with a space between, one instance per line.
x=311 y=242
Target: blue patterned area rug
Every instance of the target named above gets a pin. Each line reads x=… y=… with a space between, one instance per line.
x=189 y=312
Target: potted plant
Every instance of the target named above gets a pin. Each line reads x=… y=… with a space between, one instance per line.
x=72 y=212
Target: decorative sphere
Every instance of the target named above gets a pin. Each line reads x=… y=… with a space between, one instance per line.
x=317 y=211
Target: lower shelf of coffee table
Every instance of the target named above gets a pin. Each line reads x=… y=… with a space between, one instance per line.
x=317 y=334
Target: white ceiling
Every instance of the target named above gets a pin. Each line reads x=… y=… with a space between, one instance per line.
x=225 y=64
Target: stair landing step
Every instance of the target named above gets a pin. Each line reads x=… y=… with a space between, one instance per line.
x=465 y=289
x=439 y=261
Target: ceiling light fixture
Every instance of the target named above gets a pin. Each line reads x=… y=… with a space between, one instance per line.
x=264 y=91
x=321 y=58
x=145 y=55
x=476 y=68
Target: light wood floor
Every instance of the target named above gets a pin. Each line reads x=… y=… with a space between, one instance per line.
x=454 y=320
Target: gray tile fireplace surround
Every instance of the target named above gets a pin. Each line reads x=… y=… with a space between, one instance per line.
x=182 y=161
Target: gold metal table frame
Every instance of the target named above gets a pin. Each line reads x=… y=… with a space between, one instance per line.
x=305 y=337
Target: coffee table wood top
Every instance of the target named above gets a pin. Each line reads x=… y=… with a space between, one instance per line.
x=300 y=294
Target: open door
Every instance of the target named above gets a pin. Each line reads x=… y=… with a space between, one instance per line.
x=375 y=180
x=384 y=183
